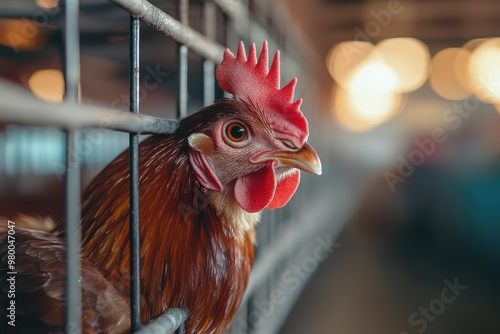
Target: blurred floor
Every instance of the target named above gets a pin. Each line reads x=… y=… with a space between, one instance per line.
x=362 y=290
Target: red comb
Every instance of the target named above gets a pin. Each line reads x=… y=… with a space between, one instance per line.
x=251 y=81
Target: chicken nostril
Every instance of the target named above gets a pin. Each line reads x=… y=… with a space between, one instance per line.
x=289 y=144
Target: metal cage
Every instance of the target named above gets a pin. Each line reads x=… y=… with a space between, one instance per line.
x=285 y=237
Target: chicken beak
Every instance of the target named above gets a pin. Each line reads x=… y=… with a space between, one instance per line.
x=305 y=159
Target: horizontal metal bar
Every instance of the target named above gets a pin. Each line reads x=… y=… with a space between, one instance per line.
x=25 y=11
x=171 y=27
x=20 y=107
x=167 y=323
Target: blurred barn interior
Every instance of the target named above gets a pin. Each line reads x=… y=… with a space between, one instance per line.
x=404 y=101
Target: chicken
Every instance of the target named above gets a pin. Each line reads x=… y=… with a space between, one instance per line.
x=201 y=193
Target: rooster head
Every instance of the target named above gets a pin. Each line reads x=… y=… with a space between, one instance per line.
x=253 y=145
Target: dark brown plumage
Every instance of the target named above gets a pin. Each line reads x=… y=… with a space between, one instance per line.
x=40 y=282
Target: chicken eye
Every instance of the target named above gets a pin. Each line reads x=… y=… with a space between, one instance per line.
x=236 y=133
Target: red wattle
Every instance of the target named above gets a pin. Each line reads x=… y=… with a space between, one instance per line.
x=285 y=190
x=256 y=190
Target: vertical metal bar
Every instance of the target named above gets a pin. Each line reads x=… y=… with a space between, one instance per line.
x=182 y=59
x=73 y=236
x=209 y=22
x=72 y=175
x=135 y=278
x=208 y=82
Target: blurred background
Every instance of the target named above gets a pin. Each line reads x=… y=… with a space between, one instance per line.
x=404 y=98
x=413 y=87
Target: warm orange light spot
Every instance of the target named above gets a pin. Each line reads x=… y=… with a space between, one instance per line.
x=47 y=4
x=474 y=43
x=484 y=71
x=47 y=84
x=410 y=60
x=21 y=34
x=444 y=77
x=362 y=111
x=343 y=58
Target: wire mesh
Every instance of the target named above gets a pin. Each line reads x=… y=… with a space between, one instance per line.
x=280 y=232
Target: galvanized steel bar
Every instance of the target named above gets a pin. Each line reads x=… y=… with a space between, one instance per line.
x=71 y=71
x=167 y=323
x=208 y=82
x=18 y=105
x=135 y=267
x=209 y=27
x=171 y=27
x=73 y=235
x=23 y=10
x=182 y=62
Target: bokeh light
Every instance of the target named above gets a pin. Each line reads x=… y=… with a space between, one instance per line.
x=448 y=66
x=47 y=4
x=22 y=34
x=345 y=57
x=409 y=59
x=373 y=79
x=361 y=111
x=484 y=71
x=47 y=84
x=373 y=76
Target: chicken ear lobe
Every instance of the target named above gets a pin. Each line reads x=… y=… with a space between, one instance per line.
x=256 y=190
x=201 y=145
x=204 y=172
